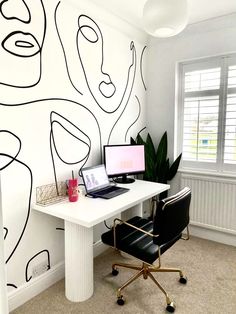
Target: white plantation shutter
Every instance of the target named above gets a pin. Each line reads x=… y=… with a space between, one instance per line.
x=230 y=121
x=208 y=79
x=207 y=113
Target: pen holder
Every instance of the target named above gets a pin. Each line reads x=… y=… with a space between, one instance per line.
x=73 y=190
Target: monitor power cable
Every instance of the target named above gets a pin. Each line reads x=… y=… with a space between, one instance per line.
x=105 y=223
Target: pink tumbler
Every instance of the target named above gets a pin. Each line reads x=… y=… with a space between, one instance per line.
x=73 y=190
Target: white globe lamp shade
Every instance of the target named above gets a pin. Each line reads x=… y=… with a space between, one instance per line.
x=165 y=18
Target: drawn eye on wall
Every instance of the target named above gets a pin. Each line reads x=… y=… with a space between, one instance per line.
x=90 y=48
x=21 y=42
x=15 y=9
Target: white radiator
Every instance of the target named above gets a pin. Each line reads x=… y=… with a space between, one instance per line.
x=213 y=203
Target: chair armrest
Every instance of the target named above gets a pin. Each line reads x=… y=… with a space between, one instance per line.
x=132 y=226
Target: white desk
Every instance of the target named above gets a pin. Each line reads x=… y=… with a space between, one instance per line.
x=80 y=217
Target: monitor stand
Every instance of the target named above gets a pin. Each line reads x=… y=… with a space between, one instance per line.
x=124 y=179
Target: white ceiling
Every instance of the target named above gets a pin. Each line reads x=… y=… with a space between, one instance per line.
x=199 y=10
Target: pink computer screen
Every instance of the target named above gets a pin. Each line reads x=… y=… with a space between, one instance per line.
x=124 y=159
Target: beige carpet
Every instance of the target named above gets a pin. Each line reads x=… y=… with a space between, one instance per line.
x=211 y=288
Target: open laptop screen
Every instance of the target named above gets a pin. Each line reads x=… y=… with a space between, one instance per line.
x=95 y=178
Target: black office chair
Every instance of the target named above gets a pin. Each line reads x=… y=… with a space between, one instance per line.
x=147 y=240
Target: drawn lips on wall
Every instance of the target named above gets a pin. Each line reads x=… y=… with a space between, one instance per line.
x=21 y=44
x=23 y=29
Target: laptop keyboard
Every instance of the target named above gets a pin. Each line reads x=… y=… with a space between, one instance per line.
x=109 y=190
x=117 y=192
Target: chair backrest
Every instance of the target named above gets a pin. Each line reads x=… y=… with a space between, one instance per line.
x=172 y=216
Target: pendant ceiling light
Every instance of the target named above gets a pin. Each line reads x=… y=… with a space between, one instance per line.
x=165 y=18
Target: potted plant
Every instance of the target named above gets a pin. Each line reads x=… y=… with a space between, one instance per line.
x=157 y=164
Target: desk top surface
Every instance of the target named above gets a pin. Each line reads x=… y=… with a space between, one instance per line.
x=90 y=211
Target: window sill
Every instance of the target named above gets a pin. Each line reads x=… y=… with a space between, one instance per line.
x=202 y=172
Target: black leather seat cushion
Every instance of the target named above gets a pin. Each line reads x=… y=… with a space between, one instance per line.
x=135 y=242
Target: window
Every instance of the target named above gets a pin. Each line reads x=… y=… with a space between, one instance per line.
x=207 y=113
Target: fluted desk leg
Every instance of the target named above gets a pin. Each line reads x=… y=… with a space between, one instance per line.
x=78 y=262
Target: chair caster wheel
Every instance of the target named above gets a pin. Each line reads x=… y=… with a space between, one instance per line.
x=115 y=272
x=183 y=280
x=170 y=307
x=120 y=300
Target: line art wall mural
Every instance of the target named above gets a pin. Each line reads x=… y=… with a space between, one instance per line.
x=69 y=84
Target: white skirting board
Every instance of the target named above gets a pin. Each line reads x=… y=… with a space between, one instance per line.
x=32 y=288
x=213 y=234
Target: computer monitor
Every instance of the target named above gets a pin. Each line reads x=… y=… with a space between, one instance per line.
x=123 y=160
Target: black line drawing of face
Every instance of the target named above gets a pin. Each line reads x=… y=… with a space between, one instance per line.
x=74 y=150
x=78 y=144
x=23 y=27
x=93 y=35
x=13 y=191
x=91 y=54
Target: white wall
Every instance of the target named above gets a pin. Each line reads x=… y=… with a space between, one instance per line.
x=3 y=287
x=203 y=39
x=75 y=84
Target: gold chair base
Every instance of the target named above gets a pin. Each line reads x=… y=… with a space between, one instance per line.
x=146 y=271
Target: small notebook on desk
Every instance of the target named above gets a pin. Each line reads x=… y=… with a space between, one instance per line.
x=97 y=184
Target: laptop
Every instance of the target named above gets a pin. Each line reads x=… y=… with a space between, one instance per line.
x=97 y=183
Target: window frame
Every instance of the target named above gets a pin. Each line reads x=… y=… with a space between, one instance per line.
x=222 y=61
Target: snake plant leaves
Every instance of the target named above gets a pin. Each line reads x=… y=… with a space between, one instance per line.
x=132 y=141
x=150 y=165
x=161 y=153
x=174 y=167
x=139 y=140
x=157 y=165
x=163 y=171
x=150 y=145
